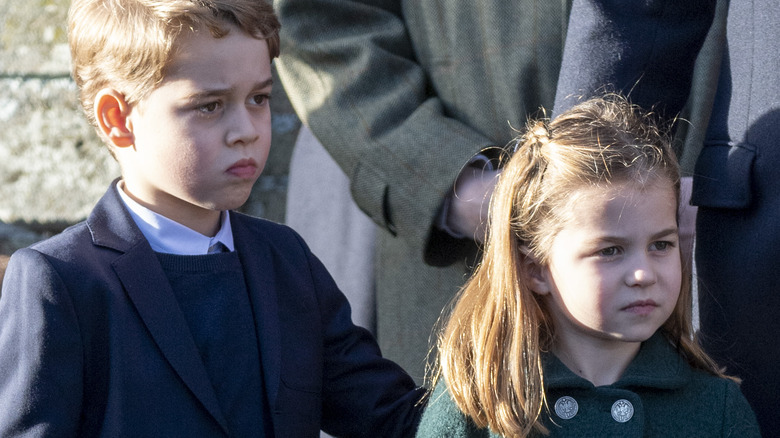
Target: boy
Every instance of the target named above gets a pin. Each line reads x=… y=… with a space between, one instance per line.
x=134 y=323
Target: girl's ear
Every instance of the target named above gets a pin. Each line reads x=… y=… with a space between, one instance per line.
x=111 y=112
x=535 y=272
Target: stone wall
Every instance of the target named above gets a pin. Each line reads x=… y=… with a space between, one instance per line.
x=52 y=166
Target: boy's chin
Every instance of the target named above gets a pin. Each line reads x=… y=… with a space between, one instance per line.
x=222 y=206
x=232 y=199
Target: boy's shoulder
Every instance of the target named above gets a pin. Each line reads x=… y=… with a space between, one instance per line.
x=73 y=250
x=260 y=225
x=69 y=258
x=273 y=233
x=66 y=244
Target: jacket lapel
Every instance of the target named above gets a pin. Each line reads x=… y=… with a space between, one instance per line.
x=147 y=287
x=255 y=258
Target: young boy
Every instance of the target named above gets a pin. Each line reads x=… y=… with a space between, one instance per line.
x=134 y=323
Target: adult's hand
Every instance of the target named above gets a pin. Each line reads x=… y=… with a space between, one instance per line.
x=470 y=201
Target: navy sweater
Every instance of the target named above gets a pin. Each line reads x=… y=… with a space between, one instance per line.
x=212 y=294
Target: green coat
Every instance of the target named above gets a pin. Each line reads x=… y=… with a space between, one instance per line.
x=402 y=93
x=668 y=398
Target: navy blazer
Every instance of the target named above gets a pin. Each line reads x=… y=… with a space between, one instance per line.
x=93 y=342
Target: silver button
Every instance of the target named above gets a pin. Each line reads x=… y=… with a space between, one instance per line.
x=622 y=410
x=566 y=407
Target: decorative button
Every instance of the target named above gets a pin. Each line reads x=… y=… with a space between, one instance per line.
x=622 y=410
x=566 y=407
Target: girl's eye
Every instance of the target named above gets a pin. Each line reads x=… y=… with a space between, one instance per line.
x=661 y=245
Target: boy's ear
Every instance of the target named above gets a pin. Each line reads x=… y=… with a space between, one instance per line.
x=535 y=272
x=111 y=112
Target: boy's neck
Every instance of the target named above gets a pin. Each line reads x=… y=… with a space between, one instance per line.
x=601 y=363
x=204 y=221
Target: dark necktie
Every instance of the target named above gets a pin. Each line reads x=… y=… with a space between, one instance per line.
x=218 y=247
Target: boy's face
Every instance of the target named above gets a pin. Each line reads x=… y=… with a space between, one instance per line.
x=201 y=139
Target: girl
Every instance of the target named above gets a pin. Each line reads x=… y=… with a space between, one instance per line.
x=577 y=322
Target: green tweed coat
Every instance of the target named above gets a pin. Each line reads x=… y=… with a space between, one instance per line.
x=659 y=395
x=402 y=93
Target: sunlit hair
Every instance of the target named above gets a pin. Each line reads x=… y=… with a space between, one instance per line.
x=128 y=44
x=489 y=352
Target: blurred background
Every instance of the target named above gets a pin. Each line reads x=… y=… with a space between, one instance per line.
x=53 y=168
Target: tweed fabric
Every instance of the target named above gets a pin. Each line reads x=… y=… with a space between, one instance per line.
x=402 y=94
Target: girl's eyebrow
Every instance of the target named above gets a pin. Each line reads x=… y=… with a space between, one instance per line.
x=622 y=240
x=665 y=233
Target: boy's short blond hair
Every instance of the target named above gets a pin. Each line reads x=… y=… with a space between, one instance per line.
x=127 y=44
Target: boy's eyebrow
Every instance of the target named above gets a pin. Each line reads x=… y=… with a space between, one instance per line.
x=266 y=83
x=223 y=91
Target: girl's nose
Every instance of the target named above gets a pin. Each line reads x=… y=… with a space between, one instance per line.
x=641 y=274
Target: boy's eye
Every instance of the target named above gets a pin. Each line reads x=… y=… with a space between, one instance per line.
x=209 y=107
x=260 y=99
x=609 y=252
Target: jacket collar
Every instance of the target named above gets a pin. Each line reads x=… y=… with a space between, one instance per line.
x=656 y=365
x=111 y=225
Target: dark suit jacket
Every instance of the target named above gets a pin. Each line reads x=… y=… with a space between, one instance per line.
x=93 y=343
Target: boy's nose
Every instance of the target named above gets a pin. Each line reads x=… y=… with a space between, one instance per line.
x=244 y=128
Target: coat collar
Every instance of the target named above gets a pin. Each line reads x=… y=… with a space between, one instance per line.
x=656 y=365
x=148 y=289
x=111 y=225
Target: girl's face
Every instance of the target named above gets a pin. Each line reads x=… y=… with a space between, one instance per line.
x=614 y=271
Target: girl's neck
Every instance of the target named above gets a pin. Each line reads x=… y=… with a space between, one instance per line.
x=600 y=362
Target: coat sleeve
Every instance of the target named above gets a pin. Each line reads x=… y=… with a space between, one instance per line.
x=363 y=394
x=350 y=71
x=645 y=49
x=738 y=418
x=40 y=352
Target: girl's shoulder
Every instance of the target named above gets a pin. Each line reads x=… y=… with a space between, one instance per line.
x=707 y=405
x=442 y=418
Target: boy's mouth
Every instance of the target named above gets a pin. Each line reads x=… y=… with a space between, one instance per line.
x=244 y=168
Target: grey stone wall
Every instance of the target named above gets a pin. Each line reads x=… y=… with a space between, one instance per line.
x=52 y=166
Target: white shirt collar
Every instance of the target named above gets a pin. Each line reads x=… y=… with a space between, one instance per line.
x=171 y=237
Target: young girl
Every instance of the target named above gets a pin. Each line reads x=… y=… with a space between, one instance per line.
x=577 y=322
